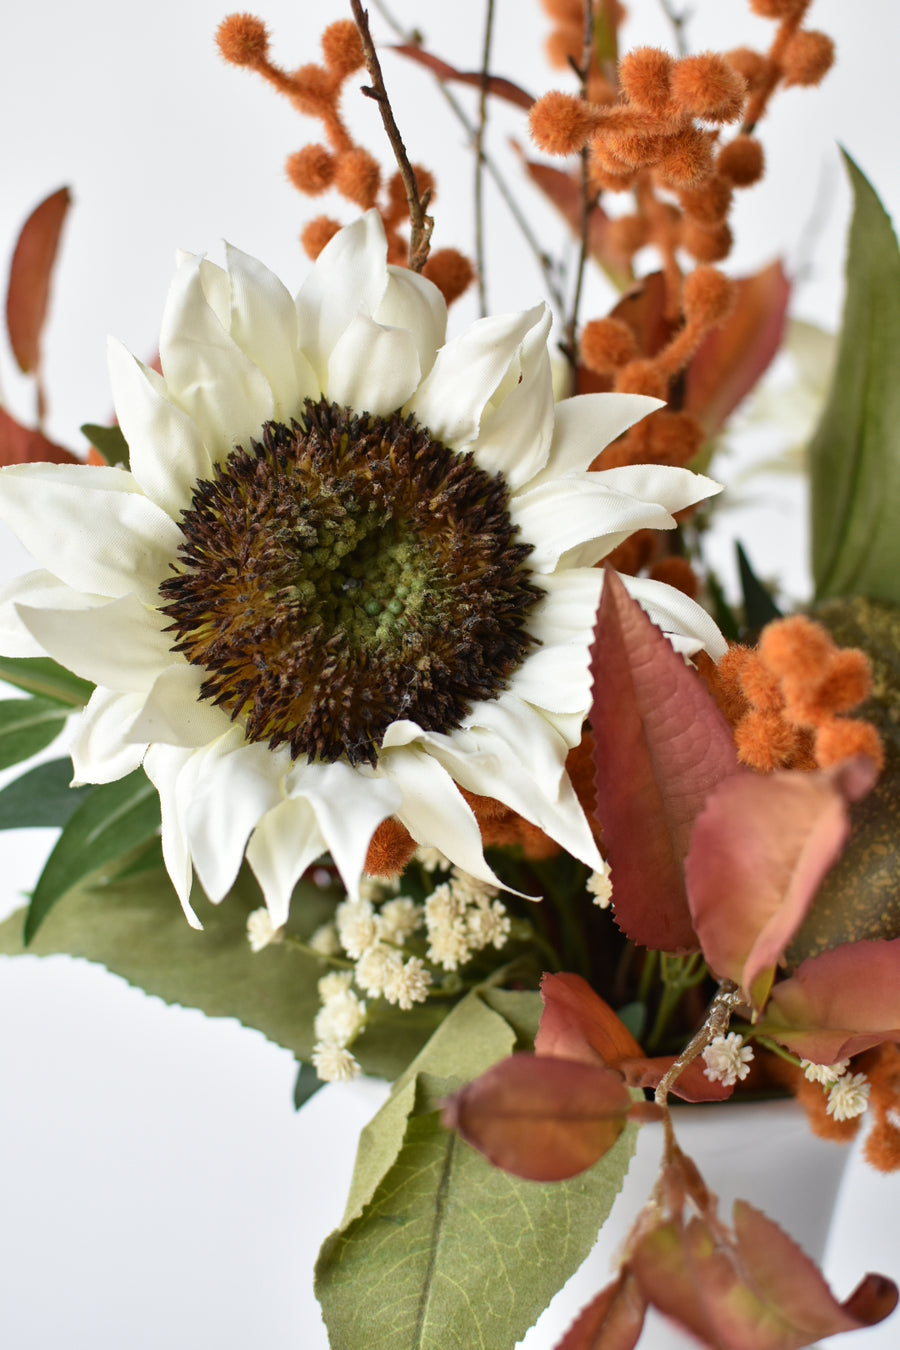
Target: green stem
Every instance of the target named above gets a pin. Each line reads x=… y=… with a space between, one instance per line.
x=340 y=962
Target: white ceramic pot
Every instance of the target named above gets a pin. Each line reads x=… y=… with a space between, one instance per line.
x=761 y=1151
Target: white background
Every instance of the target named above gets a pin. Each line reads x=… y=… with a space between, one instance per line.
x=158 y=1189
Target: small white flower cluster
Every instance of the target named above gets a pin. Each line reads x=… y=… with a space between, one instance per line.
x=339 y=1021
x=599 y=885
x=462 y=916
x=260 y=930
x=848 y=1093
x=727 y=1059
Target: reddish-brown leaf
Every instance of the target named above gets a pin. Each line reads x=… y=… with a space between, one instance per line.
x=563 y=190
x=838 y=1004
x=661 y=745
x=22 y=445
x=577 y=1024
x=496 y=84
x=541 y=1118
x=732 y=358
x=29 y=278
x=691 y=1085
x=611 y=1321
x=759 y=850
x=643 y=308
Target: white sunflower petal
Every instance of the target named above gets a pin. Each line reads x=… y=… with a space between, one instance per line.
x=284 y=844
x=236 y=783
x=372 y=368
x=467 y=373
x=119 y=645
x=349 y=278
x=672 y=487
x=338 y=793
x=264 y=325
x=685 y=623
x=102 y=751
x=585 y=424
x=168 y=766
x=166 y=450
x=206 y=373
x=515 y=434
x=174 y=713
x=94 y=530
x=36 y=590
x=411 y=301
x=580 y=512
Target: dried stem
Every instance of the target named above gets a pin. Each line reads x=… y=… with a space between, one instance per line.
x=544 y=261
x=723 y=1005
x=421 y=225
x=679 y=21
x=587 y=197
x=479 y=156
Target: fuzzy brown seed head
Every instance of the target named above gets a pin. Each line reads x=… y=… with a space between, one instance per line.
x=678 y=573
x=625 y=235
x=750 y=64
x=343 y=573
x=741 y=161
x=358 y=177
x=707 y=245
x=451 y=271
x=687 y=159
x=564 y=45
x=564 y=11
x=342 y=48
x=642 y=377
x=807 y=58
x=707 y=297
x=313 y=91
x=243 y=40
x=779 y=9
x=607 y=344
x=709 y=203
x=311 y=170
x=707 y=87
x=645 y=75
x=317 y=234
x=561 y=123
x=398 y=202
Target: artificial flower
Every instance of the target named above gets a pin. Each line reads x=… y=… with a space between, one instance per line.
x=351 y=566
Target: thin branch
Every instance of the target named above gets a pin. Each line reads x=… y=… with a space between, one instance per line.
x=679 y=21
x=723 y=1005
x=543 y=259
x=587 y=197
x=421 y=225
x=479 y=157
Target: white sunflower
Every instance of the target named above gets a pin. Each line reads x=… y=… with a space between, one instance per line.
x=351 y=567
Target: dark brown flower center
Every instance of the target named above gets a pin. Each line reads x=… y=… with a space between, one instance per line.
x=345 y=573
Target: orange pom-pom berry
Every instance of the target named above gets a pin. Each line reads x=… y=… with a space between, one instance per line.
x=451 y=271
x=607 y=344
x=645 y=75
x=317 y=234
x=357 y=177
x=342 y=48
x=311 y=170
x=707 y=297
x=708 y=87
x=561 y=123
x=741 y=161
x=807 y=58
x=243 y=40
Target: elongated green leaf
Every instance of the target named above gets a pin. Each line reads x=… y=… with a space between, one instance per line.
x=112 y=821
x=109 y=441
x=442 y=1250
x=41 y=798
x=39 y=675
x=28 y=725
x=137 y=930
x=855 y=454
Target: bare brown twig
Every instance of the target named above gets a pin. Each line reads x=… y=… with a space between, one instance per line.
x=678 y=19
x=421 y=225
x=479 y=157
x=587 y=198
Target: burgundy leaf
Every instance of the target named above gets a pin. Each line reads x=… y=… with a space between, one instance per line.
x=577 y=1024
x=838 y=1004
x=563 y=190
x=691 y=1085
x=661 y=745
x=29 y=278
x=611 y=1321
x=496 y=84
x=644 y=309
x=541 y=1118
x=758 y=853
x=732 y=358
x=22 y=445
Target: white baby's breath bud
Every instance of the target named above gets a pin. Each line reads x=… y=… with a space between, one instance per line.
x=849 y=1096
x=432 y=859
x=407 y=985
x=341 y=1019
x=334 y=1063
x=398 y=919
x=260 y=930
x=599 y=885
x=356 y=926
x=445 y=920
x=325 y=941
x=375 y=967
x=470 y=890
x=826 y=1074
x=487 y=924
x=335 y=984
x=727 y=1059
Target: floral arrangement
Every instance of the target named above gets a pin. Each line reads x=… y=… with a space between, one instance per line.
x=390 y=659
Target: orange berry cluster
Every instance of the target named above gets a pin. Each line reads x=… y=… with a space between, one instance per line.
x=786 y=699
x=882 y=1145
x=351 y=170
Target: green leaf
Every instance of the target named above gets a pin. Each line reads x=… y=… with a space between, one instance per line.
x=855 y=453
x=41 y=798
x=110 y=442
x=759 y=607
x=136 y=928
x=39 y=675
x=306 y=1084
x=113 y=821
x=441 y=1249
x=28 y=725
